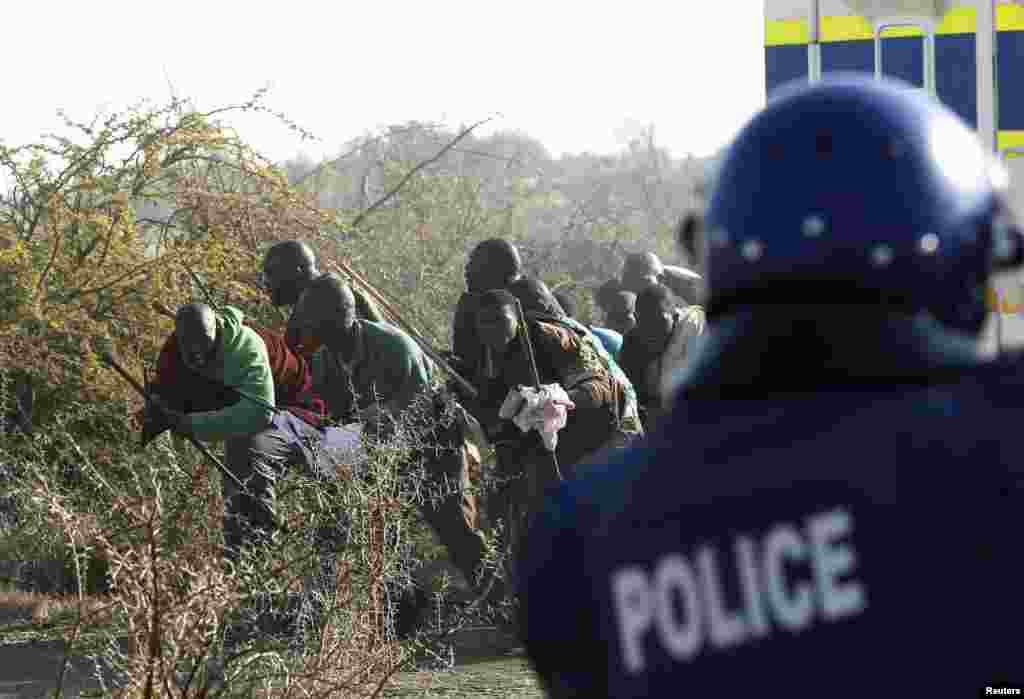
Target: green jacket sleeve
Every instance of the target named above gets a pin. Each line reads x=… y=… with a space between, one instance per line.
x=400 y=371
x=248 y=371
x=411 y=379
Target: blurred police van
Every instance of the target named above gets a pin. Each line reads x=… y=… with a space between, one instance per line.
x=969 y=55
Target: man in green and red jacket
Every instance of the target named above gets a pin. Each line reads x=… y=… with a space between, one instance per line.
x=220 y=379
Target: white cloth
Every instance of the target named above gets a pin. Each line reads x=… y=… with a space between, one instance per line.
x=545 y=410
x=344 y=443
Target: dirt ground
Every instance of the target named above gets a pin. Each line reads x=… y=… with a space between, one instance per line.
x=508 y=678
x=488 y=665
x=30 y=669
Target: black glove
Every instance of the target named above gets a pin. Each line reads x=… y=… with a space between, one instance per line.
x=163 y=414
x=153 y=425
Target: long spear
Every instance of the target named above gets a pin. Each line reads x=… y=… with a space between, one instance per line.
x=108 y=359
x=405 y=325
x=531 y=357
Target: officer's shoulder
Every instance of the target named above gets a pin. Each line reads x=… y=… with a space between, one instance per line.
x=603 y=485
x=1002 y=376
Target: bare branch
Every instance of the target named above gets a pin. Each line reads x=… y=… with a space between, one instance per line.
x=409 y=175
x=78 y=293
x=362 y=144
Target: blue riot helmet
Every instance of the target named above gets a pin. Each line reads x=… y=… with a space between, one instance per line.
x=858 y=191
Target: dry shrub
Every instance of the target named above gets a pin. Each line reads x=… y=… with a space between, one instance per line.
x=195 y=624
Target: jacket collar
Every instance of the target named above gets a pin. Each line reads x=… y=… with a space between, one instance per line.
x=793 y=349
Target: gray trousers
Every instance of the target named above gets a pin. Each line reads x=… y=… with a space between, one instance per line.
x=259 y=459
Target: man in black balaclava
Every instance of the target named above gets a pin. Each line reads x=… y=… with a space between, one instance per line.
x=493 y=264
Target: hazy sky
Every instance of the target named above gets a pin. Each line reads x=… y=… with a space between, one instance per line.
x=577 y=76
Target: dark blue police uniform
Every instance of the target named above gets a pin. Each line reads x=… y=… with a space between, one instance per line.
x=857 y=536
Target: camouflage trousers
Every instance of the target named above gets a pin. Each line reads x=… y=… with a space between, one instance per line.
x=448 y=500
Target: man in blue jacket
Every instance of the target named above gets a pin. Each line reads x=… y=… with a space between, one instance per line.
x=832 y=506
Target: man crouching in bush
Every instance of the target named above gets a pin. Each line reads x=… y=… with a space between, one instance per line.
x=380 y=372
x=220 y=379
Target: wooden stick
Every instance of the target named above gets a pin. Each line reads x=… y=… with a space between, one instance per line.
x=212 y=302
x=407 y=327
x=377 y=295
x=163 y=310
x=525 y=330
x=409 y=175
x=108 y=359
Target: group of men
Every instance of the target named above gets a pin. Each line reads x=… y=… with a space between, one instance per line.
x=829 y=504
x=304 y=397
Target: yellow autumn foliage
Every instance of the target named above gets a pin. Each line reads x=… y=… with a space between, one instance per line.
x=84 y=261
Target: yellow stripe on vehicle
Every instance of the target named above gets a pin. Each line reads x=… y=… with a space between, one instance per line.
x=786 y=32
x=1010 y=139
x=856 y=28
x=1010 y=17
x=959 y=20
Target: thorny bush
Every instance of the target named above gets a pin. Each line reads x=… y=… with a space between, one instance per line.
x=167 y=205
x=154 y=204
x=176 y=619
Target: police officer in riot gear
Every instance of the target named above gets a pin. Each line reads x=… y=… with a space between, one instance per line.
x=830 y=509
